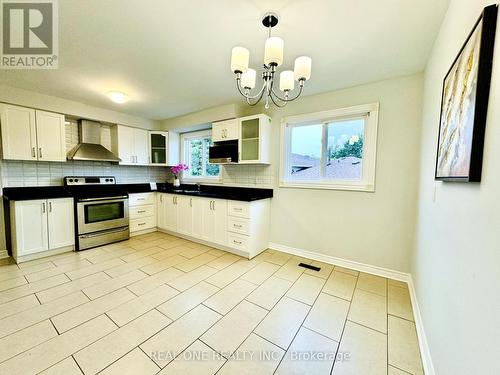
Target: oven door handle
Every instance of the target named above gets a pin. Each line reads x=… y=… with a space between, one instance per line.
x=102 y=199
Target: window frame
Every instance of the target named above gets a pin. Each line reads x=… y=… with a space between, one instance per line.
x=367 y=182
x=185 y=176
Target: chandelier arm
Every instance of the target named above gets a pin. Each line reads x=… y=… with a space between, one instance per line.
x=238 y=85
x=249 y=99
x=289 y=99
x=277 y=104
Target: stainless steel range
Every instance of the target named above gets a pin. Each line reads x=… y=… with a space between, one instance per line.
x=101 y=211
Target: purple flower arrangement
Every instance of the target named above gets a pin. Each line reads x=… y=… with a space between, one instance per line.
x=177 y=169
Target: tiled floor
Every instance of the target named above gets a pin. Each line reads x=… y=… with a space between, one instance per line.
x=157 y=304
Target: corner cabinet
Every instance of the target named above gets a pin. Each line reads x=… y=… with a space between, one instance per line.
x=254 y=139
x=30 y=134
x=38 y=226
x=163 y=148
x=131 y=145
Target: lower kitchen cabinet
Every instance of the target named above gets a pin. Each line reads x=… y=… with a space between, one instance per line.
x=184 y=214
x=214 y=220
x=240 y=227
x=142 y=213
x=41 y=225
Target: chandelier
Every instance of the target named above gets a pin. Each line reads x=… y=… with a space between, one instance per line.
x=273 y=57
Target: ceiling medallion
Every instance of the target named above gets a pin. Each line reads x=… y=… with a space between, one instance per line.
x=273 y=57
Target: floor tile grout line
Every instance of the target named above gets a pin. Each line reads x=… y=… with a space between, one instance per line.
x=345 y=323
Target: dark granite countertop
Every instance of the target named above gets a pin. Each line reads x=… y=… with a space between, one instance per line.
x=208 y=191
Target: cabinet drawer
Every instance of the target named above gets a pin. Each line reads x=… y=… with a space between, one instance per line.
x=139 y=199
x=239 y=209
x=141 y=211
x=141 y=224
x=238 y=241
x=238 y=225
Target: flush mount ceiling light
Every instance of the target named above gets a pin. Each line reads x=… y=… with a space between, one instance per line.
x=273 y=57
x=118 y=97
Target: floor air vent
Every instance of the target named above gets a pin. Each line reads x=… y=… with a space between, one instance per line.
x=309 y=267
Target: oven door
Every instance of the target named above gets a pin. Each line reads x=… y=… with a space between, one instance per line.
x=96 y=214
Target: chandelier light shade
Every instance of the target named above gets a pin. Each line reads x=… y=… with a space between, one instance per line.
x=239 y=59
x=273 y=57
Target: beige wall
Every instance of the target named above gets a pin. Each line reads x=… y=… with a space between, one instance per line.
x=457 y=256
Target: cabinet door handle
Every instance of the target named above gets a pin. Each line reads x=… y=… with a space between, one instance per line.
x=190 y=202
x=141 y=223
x=237 y=209
x=214 y=205
x=50 y=206
x=40 y=152
x=237 y=225
x=161 y=198
x=237 y=242
x=141 y=211
x=43 y=207
x=33 y=152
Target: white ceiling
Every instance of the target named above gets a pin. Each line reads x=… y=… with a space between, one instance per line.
x=172 y=56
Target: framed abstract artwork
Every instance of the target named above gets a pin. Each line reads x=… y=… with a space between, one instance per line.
x=464 y=104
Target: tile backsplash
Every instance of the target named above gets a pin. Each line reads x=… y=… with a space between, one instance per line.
x=32 y=173
x=248 y=175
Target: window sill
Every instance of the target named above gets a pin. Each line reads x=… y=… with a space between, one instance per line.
x=369 y=188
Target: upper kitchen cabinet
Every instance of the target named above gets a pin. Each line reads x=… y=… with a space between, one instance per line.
x=227 y=130
x=51 y=136
x=163 y=148
x=254 y=139
x=29 y=134
x=131 y=145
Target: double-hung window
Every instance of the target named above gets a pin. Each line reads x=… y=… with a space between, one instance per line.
x=194 y=153
x=331 y=149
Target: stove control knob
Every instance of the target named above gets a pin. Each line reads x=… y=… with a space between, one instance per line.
x=76 y=179
x=70 y=180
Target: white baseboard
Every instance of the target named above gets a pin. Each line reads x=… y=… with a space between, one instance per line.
x=422 y=337
x=379 y=271
x=374 y=270
x=4 y=254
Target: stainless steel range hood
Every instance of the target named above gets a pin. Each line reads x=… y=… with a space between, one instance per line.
x=90 y=147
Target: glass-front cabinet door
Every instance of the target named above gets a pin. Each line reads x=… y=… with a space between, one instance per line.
x=158 y=148
x=254 y=137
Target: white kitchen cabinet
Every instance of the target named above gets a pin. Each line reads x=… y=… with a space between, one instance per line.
x=170 y=212
x=141 y=147
x=29 y=134
x=184 y=214
x=61 y=228
x=131 y=145
x=38 y=226
x=254 y=139
x=51 y=136
x=214 y=220
x=163 y=148
x=29 y=227
x=161 y=211
x=226 y=130
x=142 y=212
x=239 y=227
x=18 y=132
x=197 y=209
